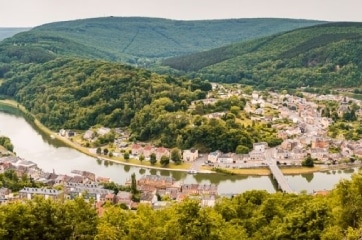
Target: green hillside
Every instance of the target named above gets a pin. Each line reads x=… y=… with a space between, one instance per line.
x=9 y=32
x=324 y=55
x=138 y=40
x=76 y=93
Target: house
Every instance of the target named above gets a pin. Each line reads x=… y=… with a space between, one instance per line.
x=108 y=197
x=208 y=201
x=147 y=151
x=156 y=181
x=87 y=191
x=103 y=131
x=103 y=179
x=260 y=146
x=136 y=149
x=289 y=144
x=227 y=158
x=88 y=135
x=207 y=189
x=124 y=198
x=298 y=153
x=5 y=195
x=281 y=154
x=161 y=151
x=259 y=111
x=213 y=156
x=190 y=189
x=30 y=193
x=343 y=108
x=256 y=155
x=320 y=142
x=148 y=198
x=190 y=155
x=319 y=153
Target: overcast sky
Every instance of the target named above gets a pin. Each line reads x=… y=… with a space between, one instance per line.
x=30 y=13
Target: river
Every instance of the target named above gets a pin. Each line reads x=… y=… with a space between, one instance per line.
x=50 y=154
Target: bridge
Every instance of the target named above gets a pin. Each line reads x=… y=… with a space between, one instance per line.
x=279 y=177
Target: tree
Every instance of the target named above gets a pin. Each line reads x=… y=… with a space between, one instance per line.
x=126 y=155
x=164 y=161
x=153 y=159
x=176 y=155
x=105 y=151
x=235 y=110
x=141 y=158
x=241 y=149
x=133 y=184
x=308 y=161
x=99 y=150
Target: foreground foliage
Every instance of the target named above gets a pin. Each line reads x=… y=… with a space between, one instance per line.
x=250 y=215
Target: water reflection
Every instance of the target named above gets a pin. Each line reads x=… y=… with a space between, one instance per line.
x=308 y=176
x=126 y=168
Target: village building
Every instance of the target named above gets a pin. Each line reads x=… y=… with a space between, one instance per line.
x=260 y=146
x=156 y=181
x=190 y=155
x=125 y=198
x=87 y=191
x=213 y=156
x=319 y=142
x=30 y=193
x=103 y=131
x=161 y=151
x=227 y=158
x=88 y=135
x=136 y=149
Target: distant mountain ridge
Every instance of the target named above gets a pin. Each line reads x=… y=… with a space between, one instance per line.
x=9 y=32
x=324 y=55
x=138 y=40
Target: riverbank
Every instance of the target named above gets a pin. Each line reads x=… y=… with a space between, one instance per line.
x=263 y=171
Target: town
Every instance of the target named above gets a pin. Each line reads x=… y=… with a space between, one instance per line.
x=299 y=123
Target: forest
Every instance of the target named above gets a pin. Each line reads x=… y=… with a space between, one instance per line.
x=73 y=93
x=325 y=55
x=141 y=41
x=251 y=215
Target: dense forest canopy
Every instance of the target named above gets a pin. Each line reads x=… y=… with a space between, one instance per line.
x=138 y=40
x=250 y=215
x=323 y=55
x=76 y=93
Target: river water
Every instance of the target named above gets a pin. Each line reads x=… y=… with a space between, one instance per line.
x=50 y=154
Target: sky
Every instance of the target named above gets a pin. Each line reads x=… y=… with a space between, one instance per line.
x=31 y=13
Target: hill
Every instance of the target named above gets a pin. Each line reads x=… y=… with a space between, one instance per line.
x=323 y=55
x=78 y=93
x=9 y=32
x=137 y=40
